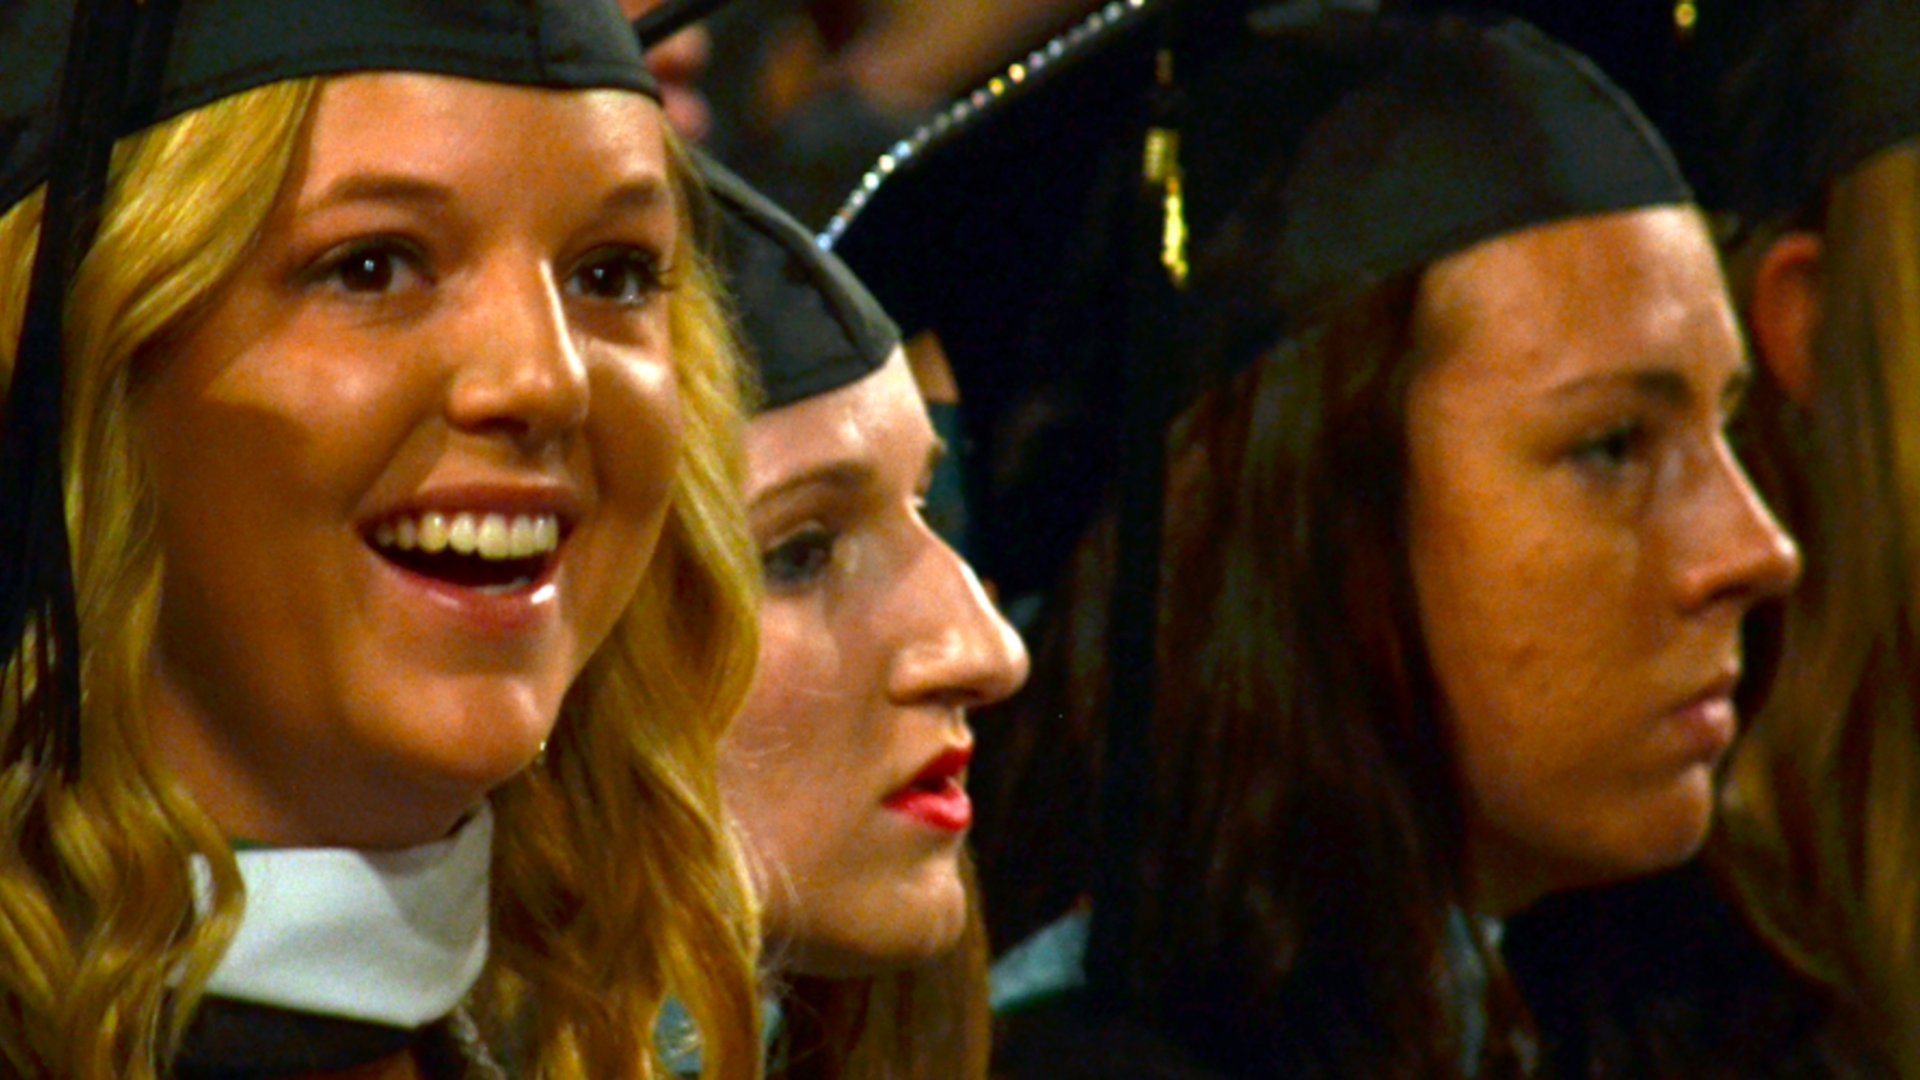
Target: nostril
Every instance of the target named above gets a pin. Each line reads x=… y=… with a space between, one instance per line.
x=517 y=371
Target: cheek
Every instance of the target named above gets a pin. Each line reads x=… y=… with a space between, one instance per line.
x=636 y=433
x=634 y=439
x=1525 y=648
x=258 y=469
x=784 y=764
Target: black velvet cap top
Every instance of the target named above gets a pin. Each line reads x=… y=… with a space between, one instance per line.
x=810 y=326
x=1441 y=134
x=215 y=48
x=1806 y=91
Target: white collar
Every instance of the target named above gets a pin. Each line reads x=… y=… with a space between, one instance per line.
x=387 y=937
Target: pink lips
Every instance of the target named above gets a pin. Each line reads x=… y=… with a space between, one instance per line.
x=937 y=794
x=1708 y=722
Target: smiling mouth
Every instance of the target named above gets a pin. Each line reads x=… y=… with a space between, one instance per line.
x=490 y=553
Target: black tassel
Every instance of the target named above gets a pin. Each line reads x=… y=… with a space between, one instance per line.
x=38 y=624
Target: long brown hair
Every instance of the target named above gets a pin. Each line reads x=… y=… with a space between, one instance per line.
x=1818 y=834
x=1302 y=878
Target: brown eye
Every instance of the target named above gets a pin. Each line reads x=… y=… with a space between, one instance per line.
x=625 y=276
x=1610 y=450
x=372 y=267
x=798 y=560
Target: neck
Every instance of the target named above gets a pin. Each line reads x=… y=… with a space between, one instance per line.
x=1504 y=885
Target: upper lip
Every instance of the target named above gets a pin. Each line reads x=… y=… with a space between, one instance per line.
x=484 y=498
x=948 y=764
x=1721 y=687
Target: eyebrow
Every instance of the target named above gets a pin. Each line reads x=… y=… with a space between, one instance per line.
x=380 y=187
x=1666 y=385
x=844 y=476
x=631 y=196
x=838 y=475
x=648 y=194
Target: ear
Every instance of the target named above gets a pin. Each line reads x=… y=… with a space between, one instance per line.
x=1785 y=311
x=931 y=370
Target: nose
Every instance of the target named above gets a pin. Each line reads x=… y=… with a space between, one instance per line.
x=956 y=648
x=517 y=370
x=1736 y=550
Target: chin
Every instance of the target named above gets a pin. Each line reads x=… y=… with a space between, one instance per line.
x=878 y=941
x=1678 y=830
x=1664 y=845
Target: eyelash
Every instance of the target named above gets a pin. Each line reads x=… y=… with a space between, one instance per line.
x=800 y=559
x=1612 y=449
x=382 y=256
x=644 y=279
x=372 y=267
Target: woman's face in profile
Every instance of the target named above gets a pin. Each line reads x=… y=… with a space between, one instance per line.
x=847 y=767
x=1583 y=543
x=414 y=458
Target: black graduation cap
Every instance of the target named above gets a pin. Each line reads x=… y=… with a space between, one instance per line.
x=671 y=17
x=997 y=225
x=809 y=326
x=1803 y=91
x=1649 y=48
x=80 y=74
x=1041 y=239
x=1442 y=133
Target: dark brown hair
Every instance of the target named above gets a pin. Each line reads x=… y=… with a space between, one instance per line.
x=1304 y=862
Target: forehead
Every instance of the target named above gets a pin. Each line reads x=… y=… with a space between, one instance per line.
x=1561 y=300
x=444 y=128
x=875 y=420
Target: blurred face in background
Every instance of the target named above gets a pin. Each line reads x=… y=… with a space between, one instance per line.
x=678 y=63
x=847 y=767
x=1583 y=543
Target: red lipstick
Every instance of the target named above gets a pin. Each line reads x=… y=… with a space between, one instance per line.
x=937 y=794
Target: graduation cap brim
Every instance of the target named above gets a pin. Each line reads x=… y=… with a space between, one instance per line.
x=1801 y=93
x=809 y=326
x=212 y=49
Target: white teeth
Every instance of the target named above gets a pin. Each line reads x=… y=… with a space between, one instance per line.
x=522 y=537
x=433 y=533
x=495 y=537
x=463 y=535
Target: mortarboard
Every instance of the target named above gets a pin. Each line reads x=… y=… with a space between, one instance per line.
x=809 y=326
x=1804 y=90
x=82 y=73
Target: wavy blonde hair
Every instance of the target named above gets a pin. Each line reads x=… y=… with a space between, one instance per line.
x=1819 y=835
x=614 y=873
